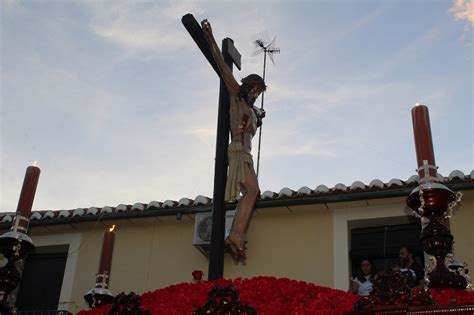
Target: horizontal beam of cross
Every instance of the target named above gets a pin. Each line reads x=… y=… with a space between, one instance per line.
x=196 y=32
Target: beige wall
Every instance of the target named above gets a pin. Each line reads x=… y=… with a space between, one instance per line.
x=154 y=253
x=295 y=243
x=148 y=254
x=309 y=243
x=462 y=228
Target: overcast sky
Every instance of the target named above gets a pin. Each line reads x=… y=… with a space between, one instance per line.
x=117 y=104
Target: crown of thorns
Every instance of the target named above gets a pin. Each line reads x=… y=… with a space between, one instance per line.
x=256 y=80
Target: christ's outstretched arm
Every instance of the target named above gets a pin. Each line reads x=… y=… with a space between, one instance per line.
x=225 y=72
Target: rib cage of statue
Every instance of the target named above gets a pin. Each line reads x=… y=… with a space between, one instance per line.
x=241 y=177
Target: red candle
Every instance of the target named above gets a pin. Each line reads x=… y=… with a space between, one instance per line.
x=103 y=276
x=424 y=144
x=27 y=195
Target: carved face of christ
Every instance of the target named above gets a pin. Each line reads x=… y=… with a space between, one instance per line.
x=253 y=95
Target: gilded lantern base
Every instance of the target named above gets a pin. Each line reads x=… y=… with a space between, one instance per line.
x=98 y=296
x=434 y=202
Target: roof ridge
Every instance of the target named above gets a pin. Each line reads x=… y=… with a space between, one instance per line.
x=456 y=176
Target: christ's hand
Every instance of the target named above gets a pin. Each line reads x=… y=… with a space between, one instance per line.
x=206 y=26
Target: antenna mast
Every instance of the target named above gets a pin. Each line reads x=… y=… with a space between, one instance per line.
x=269 y=49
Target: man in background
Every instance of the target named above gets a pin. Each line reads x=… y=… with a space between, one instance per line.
x=408 y=262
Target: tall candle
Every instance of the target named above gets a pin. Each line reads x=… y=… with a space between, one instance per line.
x=423 y=144
x=103 y=276
x=27 y=196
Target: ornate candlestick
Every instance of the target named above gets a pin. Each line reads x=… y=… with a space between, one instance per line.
x=101 y=294
x=16 y=244
x=434 y=202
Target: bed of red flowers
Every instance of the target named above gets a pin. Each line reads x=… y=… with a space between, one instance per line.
x=451 y=296
x=268 y=295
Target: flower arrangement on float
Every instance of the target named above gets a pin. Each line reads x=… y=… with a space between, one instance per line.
x=266 y=295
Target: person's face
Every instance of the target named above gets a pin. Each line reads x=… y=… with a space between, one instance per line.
x=366 y=267
x=404 y=254
x=396 y=268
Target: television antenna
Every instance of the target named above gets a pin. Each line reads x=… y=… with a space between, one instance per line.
x=270 y=50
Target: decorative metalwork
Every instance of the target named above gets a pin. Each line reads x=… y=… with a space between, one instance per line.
x=98 y=296
x=127 y=304
x=435 y=203
x=390 y=290
x=223 y=301
x=459 y=268
x=14 y=246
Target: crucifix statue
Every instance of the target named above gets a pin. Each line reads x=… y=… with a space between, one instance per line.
x=241 y=175
x=243 y=121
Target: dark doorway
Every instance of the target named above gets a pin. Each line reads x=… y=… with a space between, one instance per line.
x=382 y=243
x=42 y=279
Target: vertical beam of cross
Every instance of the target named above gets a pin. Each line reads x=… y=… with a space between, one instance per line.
x=231 y=56
x=216 y=254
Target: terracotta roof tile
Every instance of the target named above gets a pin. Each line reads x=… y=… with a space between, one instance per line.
x=357 y=185
x=456 y=174
x=169 y=203
x=78 y=212
x=35 y=216
x=138 y=206
x=395 y=182
x=154 y=204
x=120 y=207
x=64 y=214
x=202 y=200
x=185 y=202
x=340 y=187
x=413 y=179
x=376 y=183
x=304 y=191
x=7 y=217
x=48 y=215
x=104 y=210
x=286 y=192
x=267 y=194
x=376 y=187
x=321 y=189
x=92 y=211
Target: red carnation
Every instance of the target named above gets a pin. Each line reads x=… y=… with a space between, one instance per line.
x=197 y=275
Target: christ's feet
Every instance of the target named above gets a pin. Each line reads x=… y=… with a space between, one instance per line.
x=237 y=251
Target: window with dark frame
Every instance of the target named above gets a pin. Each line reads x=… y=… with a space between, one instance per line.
x=381 y=243
x=41 y=281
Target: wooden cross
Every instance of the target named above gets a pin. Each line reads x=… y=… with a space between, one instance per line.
x=231 y=56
